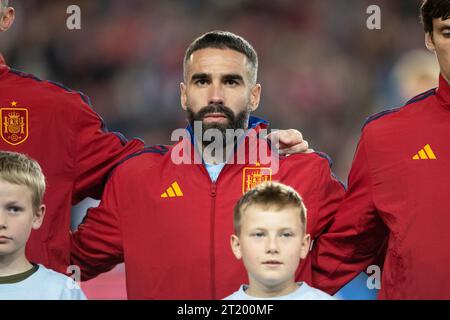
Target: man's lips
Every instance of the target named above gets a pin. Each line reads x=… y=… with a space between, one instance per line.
x=214 y=116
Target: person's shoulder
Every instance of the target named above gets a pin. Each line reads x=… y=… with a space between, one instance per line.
x=59 y=286
x=312 y=165
x=52 y=277
x=395 y=116
x=51 y=93
x=238 y=295
x=145 y=159
x=232 y=296
x=313 y=158
x=309 y=293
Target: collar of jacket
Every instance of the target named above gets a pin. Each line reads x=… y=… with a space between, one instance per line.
x=443 y=93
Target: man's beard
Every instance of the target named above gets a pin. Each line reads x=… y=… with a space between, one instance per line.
x=234 y=122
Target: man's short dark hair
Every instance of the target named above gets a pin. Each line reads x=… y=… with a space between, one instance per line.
x=433 y=9
x=224 y=40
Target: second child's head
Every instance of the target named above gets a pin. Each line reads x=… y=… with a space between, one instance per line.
x=22 y=187
x=270 y=235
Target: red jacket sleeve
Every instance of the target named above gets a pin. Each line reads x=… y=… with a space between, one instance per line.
x=356 y=235
x=96 y=246
x=330 y=193
x=97 y=151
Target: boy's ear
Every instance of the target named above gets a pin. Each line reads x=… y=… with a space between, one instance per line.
x=38 y=217
x=306 y=243
x=236 y=247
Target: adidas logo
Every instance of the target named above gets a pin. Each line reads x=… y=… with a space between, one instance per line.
x=425 y=154
x=173 y=191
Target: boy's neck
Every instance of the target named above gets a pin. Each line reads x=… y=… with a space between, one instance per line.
x=14 y=264
x=259 y=290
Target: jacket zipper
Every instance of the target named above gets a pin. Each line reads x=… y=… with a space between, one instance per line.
x=213 y=221
x=213 y=194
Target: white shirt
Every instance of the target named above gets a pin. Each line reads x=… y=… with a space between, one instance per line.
x=214 y=170
x=304 y=292
x=44 y=284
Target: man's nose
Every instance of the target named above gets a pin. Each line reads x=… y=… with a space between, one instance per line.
x=216 y=94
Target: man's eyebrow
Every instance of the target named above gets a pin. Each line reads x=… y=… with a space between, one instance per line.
x=233 y=77
x=198 y=76
x=444 y=28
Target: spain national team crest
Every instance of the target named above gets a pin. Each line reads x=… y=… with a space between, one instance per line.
x=14 y=124
x=254 y=176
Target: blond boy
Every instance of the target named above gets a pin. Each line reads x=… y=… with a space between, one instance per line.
x=22 y=186
x=270 y=237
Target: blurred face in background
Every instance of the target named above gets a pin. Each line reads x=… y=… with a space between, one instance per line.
x=7 y=17
x=439 y=42
x=219 y=90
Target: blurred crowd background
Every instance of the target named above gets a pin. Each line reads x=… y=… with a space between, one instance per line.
x=322 y=70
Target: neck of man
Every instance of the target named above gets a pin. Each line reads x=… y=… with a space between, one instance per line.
x=219 y=151
x=216 y=156
x=259 y=290
x=14 y=263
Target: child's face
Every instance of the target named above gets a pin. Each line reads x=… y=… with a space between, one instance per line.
x=271 y=244
x=17 y=218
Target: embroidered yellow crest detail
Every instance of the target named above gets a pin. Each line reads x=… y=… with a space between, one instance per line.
x=254 y=176
x=14 y=125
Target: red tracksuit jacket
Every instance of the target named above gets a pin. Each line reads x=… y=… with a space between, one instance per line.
x=56 y=126
x=172 y=225
x=399 y=189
